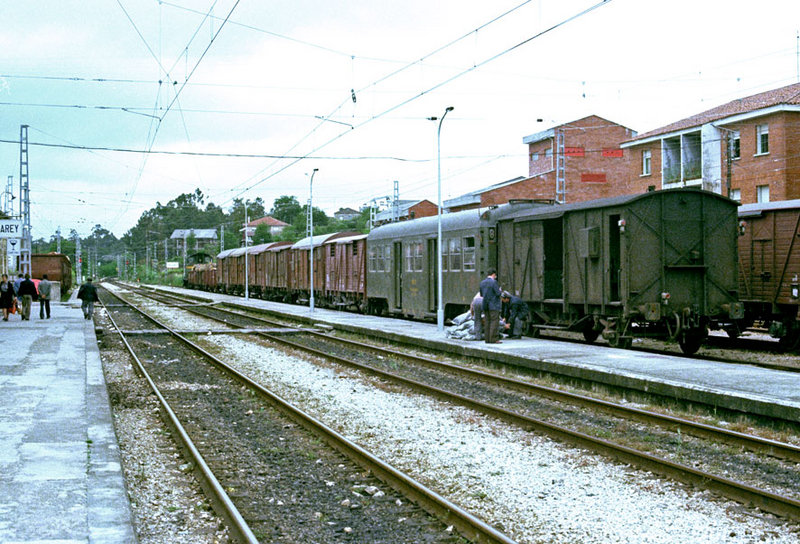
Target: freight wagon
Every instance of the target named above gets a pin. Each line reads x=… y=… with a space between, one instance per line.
x=57 y=266
x=769 y=269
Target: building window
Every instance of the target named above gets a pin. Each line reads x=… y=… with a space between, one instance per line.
x=534 y=157
x=762 y=139
x=762 y=193
x=735 y=145
x=469 y=253
x=736 y=194
x=646 y=162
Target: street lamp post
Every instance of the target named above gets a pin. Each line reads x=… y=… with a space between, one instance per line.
x=311 y=240
x=439 y=280
x=246 y=257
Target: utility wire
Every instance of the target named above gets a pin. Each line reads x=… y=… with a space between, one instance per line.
x=433 y=88
x=210 y=43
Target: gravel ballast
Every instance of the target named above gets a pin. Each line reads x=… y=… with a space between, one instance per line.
x=528 y=486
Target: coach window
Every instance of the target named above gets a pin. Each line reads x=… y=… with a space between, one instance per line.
x=646 y=162
x=762 y=139
x=469 y=253
x=371 y=259
x=379 y=259
x=388 y=263
x=418 y=257
x=445 y=253
x=410 y=257
x=455 y=254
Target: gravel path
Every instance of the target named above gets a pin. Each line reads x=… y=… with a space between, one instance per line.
x=531 y=488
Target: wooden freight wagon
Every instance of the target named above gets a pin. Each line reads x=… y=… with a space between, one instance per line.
x=224 y=271
x=275 y=262
x=345 y=272
x=769 y=269
x=660 y=264
x=299 y=274
x=58 y=268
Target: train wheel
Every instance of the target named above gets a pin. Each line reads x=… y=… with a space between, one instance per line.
x=621 y=342
x=691 y=340
x=590 y=333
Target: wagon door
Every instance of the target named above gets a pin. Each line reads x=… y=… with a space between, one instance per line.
x=528 y=261
x=397 y=274
x=762 y=259
x=433 y=267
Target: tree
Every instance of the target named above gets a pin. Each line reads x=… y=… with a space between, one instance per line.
x=262 y=234
x=286 y=209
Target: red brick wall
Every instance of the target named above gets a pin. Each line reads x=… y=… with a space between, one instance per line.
x=593 y=165
x=778 y=168
x=424 y=208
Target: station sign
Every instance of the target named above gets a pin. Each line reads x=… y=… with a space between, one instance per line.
x=10 y=228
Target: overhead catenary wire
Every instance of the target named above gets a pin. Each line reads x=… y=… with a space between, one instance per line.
x=433 y=88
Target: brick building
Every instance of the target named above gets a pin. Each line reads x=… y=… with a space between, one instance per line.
x=406 y=209
x=757 y=136
x=594 y=165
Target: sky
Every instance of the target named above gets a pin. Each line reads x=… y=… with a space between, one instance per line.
x=130 y=103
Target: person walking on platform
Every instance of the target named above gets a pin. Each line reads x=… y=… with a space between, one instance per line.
x=27 y=291
x=515 y=313
x=44 y=297
x=490 y=291
x=6 y=296
x=88 y=295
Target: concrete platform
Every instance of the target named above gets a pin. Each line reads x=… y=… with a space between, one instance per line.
x=60 y=475
x=751 y=389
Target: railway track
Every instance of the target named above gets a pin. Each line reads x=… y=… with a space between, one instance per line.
x=252 y=439
x=517 y=409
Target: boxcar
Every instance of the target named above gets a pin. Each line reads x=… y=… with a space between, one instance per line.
x=299 y=281
x=345 y=272
x=659 y=264
x=276 y=270
x=769 y=269
x=202 y=276
x=57 y=266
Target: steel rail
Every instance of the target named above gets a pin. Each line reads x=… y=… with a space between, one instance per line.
x=774 y=448
x=469 y=525
x=221 y=502
x=740 y=492
x=720 y=341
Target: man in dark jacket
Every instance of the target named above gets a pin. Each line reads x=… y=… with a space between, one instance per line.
x=490 y=291
x=515 y=313
x=27 y=292
x=88 y=295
